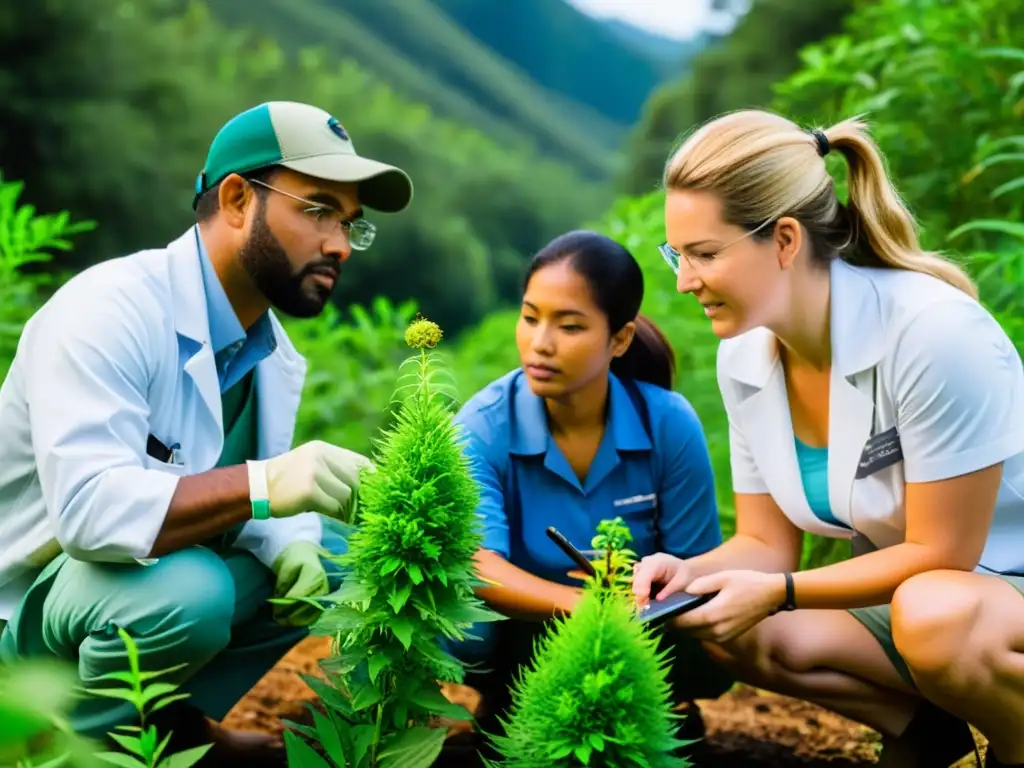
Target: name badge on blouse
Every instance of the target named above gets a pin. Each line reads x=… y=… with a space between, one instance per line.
x=881 y=451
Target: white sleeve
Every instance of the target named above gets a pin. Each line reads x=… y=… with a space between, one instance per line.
x=86 y=384
x=958 y=387
x=746 y=478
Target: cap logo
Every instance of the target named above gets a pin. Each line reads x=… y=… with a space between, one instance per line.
x=337 y=128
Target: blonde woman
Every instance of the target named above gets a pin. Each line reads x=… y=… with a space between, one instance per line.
x=869 y=396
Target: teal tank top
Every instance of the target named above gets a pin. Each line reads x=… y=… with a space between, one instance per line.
x=814 y=475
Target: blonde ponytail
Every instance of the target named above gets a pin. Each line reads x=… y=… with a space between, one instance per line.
x=762 y=167
x=883 y=228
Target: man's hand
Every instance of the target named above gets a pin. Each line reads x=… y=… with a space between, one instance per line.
x=300 y=574
x=315 y=477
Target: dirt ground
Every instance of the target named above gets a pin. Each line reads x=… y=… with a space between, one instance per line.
x=746 y=728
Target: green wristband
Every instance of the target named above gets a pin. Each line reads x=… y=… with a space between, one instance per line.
x=260 y=509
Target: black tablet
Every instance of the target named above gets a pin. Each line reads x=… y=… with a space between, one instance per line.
x=656 y=610
x=673 y=605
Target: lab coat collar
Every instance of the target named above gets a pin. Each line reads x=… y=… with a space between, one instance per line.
x=858 y=335
x=280 y=376
x=530 y=433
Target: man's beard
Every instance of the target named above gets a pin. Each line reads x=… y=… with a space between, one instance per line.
x=267 y=264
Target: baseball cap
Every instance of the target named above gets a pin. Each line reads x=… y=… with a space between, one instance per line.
x=306 y=139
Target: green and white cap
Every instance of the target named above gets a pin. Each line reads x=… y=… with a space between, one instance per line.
x=306 y=139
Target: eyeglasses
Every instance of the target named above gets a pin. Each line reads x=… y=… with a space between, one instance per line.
x=360 y=232
x=672 y=256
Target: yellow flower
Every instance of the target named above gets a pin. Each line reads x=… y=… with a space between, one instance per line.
x=423 y=333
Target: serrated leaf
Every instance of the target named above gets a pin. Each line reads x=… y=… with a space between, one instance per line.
x=328 y=737
x=156 y=690
x=186 y=758
x=413 y=748
x=403 y=629
x=367 y=696
x=399 y=597
x=116 y=693
x=583 y=753
x=433 y=700
x=378 y=662
x=415 y=573
x=351 y=591
x=362 y=739
x=300 y=754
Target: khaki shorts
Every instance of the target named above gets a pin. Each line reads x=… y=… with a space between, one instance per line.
x=877 y=620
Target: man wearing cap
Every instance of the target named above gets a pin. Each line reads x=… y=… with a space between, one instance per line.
x=147 y=479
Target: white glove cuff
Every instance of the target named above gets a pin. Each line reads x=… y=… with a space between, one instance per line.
x=259 y=496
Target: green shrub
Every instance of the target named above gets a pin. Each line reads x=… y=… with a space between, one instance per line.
x=597 y=690
x=409 y=583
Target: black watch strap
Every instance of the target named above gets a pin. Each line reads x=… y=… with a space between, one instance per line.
x=789 y=604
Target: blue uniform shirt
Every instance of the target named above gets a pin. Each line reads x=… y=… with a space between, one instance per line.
x=235 y=351
x=661 y=485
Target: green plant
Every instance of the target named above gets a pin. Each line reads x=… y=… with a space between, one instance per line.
x=596 y=692
x=409 y=581
x=35 y=697
x=147 y=699
x=26 y=237
x=614 y=570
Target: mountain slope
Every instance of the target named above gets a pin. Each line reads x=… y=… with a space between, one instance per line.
x=426 y=56
x=672 y=55
x=566 y=52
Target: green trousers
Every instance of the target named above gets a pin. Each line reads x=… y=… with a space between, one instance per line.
x=198 y=607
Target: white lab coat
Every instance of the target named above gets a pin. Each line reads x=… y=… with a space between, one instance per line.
x=122 y=351
x=947 y=377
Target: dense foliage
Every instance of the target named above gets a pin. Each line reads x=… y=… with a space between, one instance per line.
x=409 y=584
x=736 y=71
x=596 y=692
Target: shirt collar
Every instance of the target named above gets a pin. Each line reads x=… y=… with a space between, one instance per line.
x=530 y=434
x=225 y=328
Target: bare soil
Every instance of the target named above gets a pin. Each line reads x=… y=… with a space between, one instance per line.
x=747 y=728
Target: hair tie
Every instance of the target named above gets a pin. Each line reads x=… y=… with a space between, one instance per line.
x=822 y=140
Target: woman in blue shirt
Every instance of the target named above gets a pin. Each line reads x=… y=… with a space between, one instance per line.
x=588 y=428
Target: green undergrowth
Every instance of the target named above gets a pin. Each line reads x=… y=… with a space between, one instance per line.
x=37 y=695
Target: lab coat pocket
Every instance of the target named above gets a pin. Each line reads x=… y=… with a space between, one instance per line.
x=177 y=469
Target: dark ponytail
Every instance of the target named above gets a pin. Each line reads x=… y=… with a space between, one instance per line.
x=617 y=286
x=649 y=358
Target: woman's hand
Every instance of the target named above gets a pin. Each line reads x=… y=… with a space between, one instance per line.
x=744 y=598
x=660 y=568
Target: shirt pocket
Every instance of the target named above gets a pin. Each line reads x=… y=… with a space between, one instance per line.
x=636 y=506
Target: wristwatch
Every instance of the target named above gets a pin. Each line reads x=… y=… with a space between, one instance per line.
x=259 y=497
x=789 y=604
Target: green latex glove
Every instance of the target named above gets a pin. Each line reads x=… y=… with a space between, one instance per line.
x=300 y=573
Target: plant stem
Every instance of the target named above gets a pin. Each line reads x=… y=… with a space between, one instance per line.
x=376 y=735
